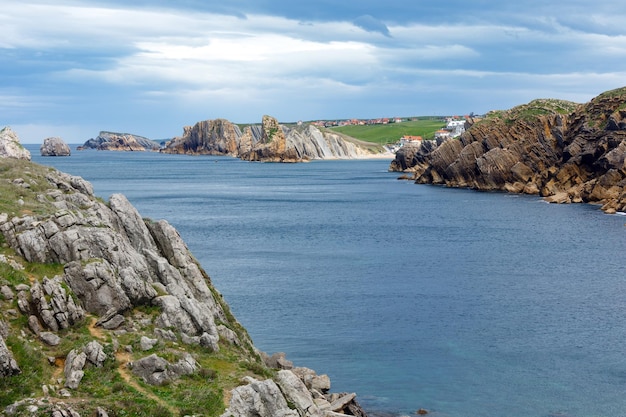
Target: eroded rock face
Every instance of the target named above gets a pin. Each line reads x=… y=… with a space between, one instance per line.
x=114 y=260
x=268 y=142
x=10 y=146
x=564 y=152
x=8 y=365
x=112 y=141
x=54 y=147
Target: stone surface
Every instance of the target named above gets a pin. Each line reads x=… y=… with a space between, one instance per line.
x=54 y=147
x=73 y=370
x=10 y=146
x=268 y=142
x=155 y=370
x=8 y=365
x=561 y=151
x=112 y=141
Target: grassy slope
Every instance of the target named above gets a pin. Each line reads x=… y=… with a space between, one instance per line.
x=391 y=133
x=201 y=394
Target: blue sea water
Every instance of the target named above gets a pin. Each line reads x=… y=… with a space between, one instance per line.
x=459 y=302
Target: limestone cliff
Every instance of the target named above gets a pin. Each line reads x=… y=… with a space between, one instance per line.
x=268 y=142
x=111 y=141
x=106 y=312
x=560 y=150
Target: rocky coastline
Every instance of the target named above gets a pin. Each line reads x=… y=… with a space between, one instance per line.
x=562 y=151
x=112 y=141
x=105 y=312
x=268 y=142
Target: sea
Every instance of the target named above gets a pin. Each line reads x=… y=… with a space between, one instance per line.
x=458 y=302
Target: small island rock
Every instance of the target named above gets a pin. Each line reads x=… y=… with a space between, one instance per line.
x=54 y=147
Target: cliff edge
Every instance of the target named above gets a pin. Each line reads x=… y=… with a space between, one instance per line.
x=108 y=313
x=268 y=142
x=563 y=151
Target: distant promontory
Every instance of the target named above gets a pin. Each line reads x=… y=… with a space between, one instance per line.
x=112 y=141
x=268 y=142
x=563 y=151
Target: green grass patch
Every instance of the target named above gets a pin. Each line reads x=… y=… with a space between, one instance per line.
x=392 y=132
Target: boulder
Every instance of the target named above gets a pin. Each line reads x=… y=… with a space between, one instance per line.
x=10 y=146
x=73 y=370
x=258 y=398
x=155 y=370
x=54 y=146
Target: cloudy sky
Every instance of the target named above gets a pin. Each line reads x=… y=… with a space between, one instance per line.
x=72 y=68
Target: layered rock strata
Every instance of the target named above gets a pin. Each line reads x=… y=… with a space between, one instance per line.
x=559 y=150
x=111 y=141
x=268 y=142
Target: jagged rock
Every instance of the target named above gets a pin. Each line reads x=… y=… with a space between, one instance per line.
x=94 y=353
x=8 y=365
x=278 y=360
x=145 y=343
x=155 y=370
x=111 y=141
x=268 y=142
x=228 y=335
x=10 y=146
x=64 y=411
x=296 y=393
x=54 y=147
x=53 y=306
x=559 y=150
x=73 y=371
x=258 y=398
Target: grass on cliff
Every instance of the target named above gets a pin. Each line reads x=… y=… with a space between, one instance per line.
x=530 y=111
x=21 y=184
x=112 y=387
x=392 y=132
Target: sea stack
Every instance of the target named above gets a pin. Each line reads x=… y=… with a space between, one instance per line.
x=54 y=147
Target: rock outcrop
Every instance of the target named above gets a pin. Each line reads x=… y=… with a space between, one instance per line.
x=10 y=146
x=54 y=147
x=268 y=142
x=111 y=141
x=560 y=150
x=103 y=295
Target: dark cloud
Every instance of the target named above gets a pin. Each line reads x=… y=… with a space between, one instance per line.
x=371 y=24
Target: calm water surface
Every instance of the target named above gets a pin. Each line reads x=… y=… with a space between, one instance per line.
x=459 y=302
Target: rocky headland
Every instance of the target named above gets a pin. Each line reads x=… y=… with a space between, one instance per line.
x=107 y=313
x=10 y=145
x=563 y=151
x=268 y=142
x=54 y=146
x=111 y=141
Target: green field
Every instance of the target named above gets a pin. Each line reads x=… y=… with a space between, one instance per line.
x=391 y=133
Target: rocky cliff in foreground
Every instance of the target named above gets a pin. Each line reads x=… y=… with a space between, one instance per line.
x=560 y=150
x=268 y=142
x=107 y=313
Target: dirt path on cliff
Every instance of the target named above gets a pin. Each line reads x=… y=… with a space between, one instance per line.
x=123 y=358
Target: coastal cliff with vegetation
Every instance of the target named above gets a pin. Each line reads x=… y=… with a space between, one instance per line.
x=106 y=313
x=563 y=151
x=268 y=142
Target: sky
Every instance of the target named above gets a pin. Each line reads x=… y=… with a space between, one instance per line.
x=73 y=68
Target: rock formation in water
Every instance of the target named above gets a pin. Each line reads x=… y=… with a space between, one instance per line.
x=54 y=147
x=111 y=141
x=560 y=150
x=10 y=146
x=268 y=142
x=96 y=299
